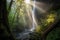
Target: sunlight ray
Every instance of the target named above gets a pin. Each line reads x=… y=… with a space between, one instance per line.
x=42 y=7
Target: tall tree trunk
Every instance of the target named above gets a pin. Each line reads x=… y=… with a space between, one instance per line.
x=4 y=17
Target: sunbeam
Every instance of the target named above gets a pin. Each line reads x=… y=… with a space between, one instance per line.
x=42 y=7
x=31 y=16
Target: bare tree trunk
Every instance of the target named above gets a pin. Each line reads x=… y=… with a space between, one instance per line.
x=4 y=15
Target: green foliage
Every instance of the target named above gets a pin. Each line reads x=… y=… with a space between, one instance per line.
x=54 y=34
x=16 y=16
x=47 y=20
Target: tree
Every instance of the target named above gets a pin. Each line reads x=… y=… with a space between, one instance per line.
x=4 y=17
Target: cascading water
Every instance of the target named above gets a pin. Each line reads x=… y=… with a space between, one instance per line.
x=32 y=25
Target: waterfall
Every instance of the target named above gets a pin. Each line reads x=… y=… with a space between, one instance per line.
x=34 y=23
